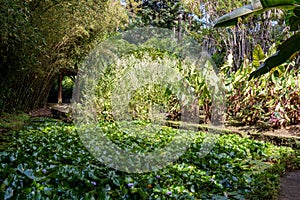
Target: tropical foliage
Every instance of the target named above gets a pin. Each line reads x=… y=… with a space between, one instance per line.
x=248 y=102
x=39 y=39
x=47 y=160
x=288 y=48
x=253 y=101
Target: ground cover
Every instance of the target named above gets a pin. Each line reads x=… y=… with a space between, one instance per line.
x=8 y=123
x=47 y=160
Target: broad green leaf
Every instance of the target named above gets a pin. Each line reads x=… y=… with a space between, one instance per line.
x=255 y=8
x=294 y=21
x=297 y=11
x=285 y=51
x=29 y=174
x=258 y=55
x=20 y=168
x=273 y=3
x=8 y=193
x=232 y=17
x=272 y=50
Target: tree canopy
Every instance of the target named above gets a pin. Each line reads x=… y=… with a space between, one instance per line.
x=39 y=38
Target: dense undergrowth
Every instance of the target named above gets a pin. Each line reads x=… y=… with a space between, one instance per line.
x=272 y=99
x=10 y=121
x=47 y=160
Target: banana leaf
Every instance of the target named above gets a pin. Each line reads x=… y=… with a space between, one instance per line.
x=256 y=7
x=286 y=50
x=231 y=19
x=275 y=3
x=294 y=23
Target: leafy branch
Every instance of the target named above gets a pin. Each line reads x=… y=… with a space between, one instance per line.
x=288 y=48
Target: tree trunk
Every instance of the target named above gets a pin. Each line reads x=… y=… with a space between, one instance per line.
x=60 y=89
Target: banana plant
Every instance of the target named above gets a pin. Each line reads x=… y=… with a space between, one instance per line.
x=288 y=48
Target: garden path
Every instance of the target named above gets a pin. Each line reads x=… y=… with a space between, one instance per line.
x=290 y=186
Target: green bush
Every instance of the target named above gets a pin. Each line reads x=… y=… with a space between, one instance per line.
x=163 y=96
x=272 y=98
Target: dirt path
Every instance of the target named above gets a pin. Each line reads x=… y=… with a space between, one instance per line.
x=290 y=186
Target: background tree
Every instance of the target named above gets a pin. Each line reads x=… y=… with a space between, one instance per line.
x=39 y=38
x=288 y=48
x=197 y=20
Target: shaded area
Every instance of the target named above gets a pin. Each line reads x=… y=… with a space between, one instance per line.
x=290 y=186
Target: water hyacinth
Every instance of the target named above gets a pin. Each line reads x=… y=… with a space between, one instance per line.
x=90 y=181
x=130 y=185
